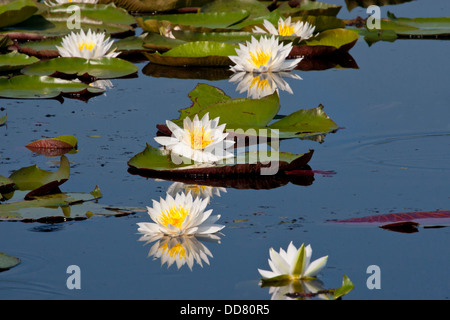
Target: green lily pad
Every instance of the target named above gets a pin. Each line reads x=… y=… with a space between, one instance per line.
x=155 y=5
x=239 y=113
x=303 y=123
x=327 y=42
x=344 y=289
x=417 y=27
x=197 y=53
x=107 y=13
x=6 y=185
x=202 y=21
x=7 y=261
x=155 y=161
x=102 y=68
x=55 y=25
x=3 y=120
x=244 y=113
x=14 y=61
x=41 y=87
x=40 y=181
x=309 y=8
x=13 y=12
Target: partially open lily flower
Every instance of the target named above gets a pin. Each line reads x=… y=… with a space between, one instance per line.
x=294 y=264
x=263 y=55
x=90 y=45
x=262 y=84
x=52 y=3
x=301 y=29
x=180 y=250
x=202 y=141
x=201 y=191
x=180 y=215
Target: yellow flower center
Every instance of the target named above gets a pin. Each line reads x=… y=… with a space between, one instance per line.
x=199 y=138
x=195 y=189
x=88 y=45
x=260 y=84
x=285 y=30
x=176 y=250
x=261 y=58
x=174 y=215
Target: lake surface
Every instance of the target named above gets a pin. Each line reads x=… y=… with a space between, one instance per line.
x=391 y=155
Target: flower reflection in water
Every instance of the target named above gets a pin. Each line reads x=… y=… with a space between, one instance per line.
x=299 y=290
x=180 y=250
x=259 y=85
x=196 y=190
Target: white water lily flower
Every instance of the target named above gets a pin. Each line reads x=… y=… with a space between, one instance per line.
x=301 y=29
x=180 y=215
x=265 y=55
x=294 y=263
x=180 y=250
x=201 y=191
x=90 y=45
x=262 y=84
x=200 y=140
x=59 y=2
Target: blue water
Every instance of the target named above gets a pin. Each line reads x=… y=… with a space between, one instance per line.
x=391 y=155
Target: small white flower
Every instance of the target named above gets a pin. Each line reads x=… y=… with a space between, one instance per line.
x=265 y=55
x=200 y=140
x=294 y=263
x=180 y=250
x=196 y=190
x=59 y=2
x=180 y=216
x=90 y=45
x=262 y=84
x=301 y=29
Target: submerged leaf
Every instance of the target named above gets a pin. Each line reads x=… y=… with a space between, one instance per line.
x=102 y=68
x=41 y=87
x=40 y=181
x=7 y=261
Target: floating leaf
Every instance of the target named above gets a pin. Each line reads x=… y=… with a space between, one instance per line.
x=346 y=287
x=53 y=146
x=309 y=8
x=205 y=73
x=327 y=42
x=242 y=114
x=105 y=13
x=3 y=120
x=403 y=222
x=55 y=25
x=13 y=12
x=14 y=61
x=197 y=53
x=154 y=161
x=102 y=68
x=7 y=261
x=305 y=122
x=6 y=185
x=41 y=87
x=40 y=181
x=155 y=5
x=60 y=207
x=202 y=21
x=417 y=27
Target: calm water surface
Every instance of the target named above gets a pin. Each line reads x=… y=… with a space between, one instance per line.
x=391 y=155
